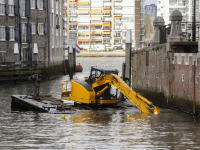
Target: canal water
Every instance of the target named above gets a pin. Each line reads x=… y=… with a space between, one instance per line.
x=92 y=129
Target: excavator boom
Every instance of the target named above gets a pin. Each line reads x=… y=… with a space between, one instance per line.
x=138 y=100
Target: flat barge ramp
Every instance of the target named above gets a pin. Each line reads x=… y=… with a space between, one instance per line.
x=45 y=104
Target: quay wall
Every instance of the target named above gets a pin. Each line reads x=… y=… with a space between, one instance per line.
x=167 y=78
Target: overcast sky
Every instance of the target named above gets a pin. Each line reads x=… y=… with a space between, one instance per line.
x=147 y=2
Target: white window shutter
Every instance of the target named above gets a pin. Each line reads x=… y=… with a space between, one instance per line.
x=38 y=3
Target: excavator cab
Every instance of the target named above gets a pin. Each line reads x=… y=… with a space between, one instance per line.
x=96 y=72
x=108 y=96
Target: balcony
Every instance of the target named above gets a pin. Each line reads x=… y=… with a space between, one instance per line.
x=117 y=36
x=106 y=14
x=73 y=14
x=117 y=14
x=96 y=21
x=141 y=40
x=107 y=28
x=117 y=44
x=142 y=32
x=177 y=5
x=118 y=22
x=108 y=36
x=106 y=7
x=96 y=12
x=117 y=29
x=118 y=6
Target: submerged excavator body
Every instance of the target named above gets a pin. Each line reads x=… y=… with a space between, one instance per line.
x=97 y=90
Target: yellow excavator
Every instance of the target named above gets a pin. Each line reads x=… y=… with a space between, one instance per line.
x=97 y=90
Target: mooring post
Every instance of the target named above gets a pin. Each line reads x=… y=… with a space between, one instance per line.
x=70 y=61
x=128 y=54
x=74 y=59
x=194 y=101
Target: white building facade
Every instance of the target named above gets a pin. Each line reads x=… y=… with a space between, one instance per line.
x=166 y=7
x=101 y=22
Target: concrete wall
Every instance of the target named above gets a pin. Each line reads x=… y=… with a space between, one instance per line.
x=157 y=74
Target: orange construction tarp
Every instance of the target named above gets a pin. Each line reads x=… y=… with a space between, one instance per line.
x=117 y=16
x=106 y=32
x=74 y=3
x=106 y=11
x=83 y=40
x=96 y=32
x=96 y=39
x=96 y=24
x=84 y=33
x=83 y=3
x=106 y=24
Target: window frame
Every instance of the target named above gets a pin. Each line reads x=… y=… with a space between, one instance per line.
x=25 y=25
x=12 y=38
x=3 y=39
x=20 y=10
x=32 y=4
x=40 y=4
x=2 y=8
x=39 y=28
x=11 y=8
x=33 y=31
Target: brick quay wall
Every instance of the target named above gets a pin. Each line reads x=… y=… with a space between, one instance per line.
x=167 y=78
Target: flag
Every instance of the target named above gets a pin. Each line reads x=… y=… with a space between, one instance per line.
x=78 y=49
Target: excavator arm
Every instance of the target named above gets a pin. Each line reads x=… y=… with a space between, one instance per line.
x=138 y=100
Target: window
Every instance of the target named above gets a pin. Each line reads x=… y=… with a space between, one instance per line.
x=197 y=80
x=52 y=19
x=147 y=58
x=22 y=8
x=56 y=7
x=2 y=56
x=33 y=27
x=23 y=32
x=2 y=33
x=156 y=74
x=61 y=7
x=2 y=7
x=52 y=40
x=12 y=33
x=183 y=77
x=11 y=7
x=40 y=4
x=52 y=6
x=32 y=4
x=41 y=28
x=57 y=38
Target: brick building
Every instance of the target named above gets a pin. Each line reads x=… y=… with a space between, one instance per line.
x=31 y=33
x=168 y=77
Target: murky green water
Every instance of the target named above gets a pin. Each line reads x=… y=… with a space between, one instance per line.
x=92 y=129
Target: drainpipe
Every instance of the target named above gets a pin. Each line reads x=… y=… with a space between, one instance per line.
x=19 y=41
x=49 y=52
x=194 y=101
x=194 y=23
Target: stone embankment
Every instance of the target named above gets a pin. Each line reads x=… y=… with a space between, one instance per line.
x=102 y=54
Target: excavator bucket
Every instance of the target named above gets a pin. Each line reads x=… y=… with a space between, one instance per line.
x=156 y=110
